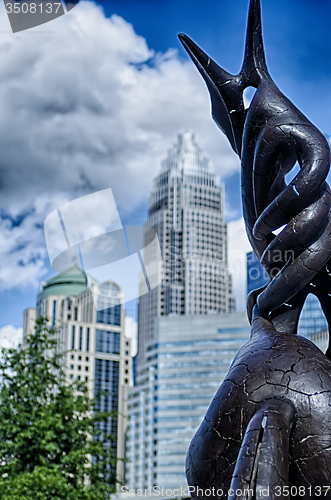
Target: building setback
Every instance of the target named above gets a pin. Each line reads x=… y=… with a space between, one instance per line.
x=96 y=348
x=312 y=322
x=185 y=366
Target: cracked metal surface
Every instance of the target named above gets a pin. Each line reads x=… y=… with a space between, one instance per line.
x=269 y=423
x=272 y=367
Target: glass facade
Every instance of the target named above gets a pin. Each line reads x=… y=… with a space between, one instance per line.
x=80 y=346
x=92 y=351
x=107 y=342
x=110 y=316
x=312 y=319
x=73 y=332
x=106 y=392
x=257 y=276
x=87 y=340
x=321 y=339
x=183 y=371
x=54 y=312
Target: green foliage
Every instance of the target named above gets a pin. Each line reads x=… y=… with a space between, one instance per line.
x=46 y=426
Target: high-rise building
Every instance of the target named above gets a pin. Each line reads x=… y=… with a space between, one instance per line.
x=185 y=365
x=188 y=331
x=257 y=276
x=312 y=322
x=186 y=210
x=93 y=342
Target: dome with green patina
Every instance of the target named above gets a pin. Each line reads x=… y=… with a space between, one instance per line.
x=71 y=282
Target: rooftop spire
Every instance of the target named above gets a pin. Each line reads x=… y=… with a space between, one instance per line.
x=185 y=155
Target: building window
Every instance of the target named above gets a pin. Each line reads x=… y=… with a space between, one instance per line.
x=76 y=313
x=73 y=337
x=54 y=312
x=87 y=340
x=110 y=316
x=106 y=391
x=108 y=342
x=80 y=338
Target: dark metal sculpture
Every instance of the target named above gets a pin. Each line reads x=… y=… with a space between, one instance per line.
x=269 y=425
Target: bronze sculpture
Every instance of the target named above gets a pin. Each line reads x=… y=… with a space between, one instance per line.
x=269 y=425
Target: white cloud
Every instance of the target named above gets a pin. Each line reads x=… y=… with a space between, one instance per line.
x=22 y=244
x=238 y=248
x=10 y=336
x=85 y=108
x=131 y=333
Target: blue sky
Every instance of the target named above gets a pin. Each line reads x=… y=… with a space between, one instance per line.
x=97 y=103
x=296 y=35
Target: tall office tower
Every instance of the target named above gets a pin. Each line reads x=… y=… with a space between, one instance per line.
x=185 y=366
x=184 y=351
x=186 y=210
x=257 y=276
x=312 y=322
x=96 y=349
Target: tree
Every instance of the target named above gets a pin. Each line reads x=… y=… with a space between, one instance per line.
x=49 y=428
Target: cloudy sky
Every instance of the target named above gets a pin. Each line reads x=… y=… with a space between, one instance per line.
x=94 y=99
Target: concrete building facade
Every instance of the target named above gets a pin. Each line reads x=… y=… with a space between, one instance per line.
x=96 y=349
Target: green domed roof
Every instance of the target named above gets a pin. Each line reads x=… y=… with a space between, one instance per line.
x=70 y=283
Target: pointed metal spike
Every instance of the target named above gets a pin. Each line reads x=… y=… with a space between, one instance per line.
x=254 y=66
x=203 y=62
x=225 y=93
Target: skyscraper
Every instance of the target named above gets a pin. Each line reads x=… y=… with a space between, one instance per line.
x=186 y=210
x=312 y=322
x=187 y=337
x=93 y=342
x=257 y=276
x=185 y=366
